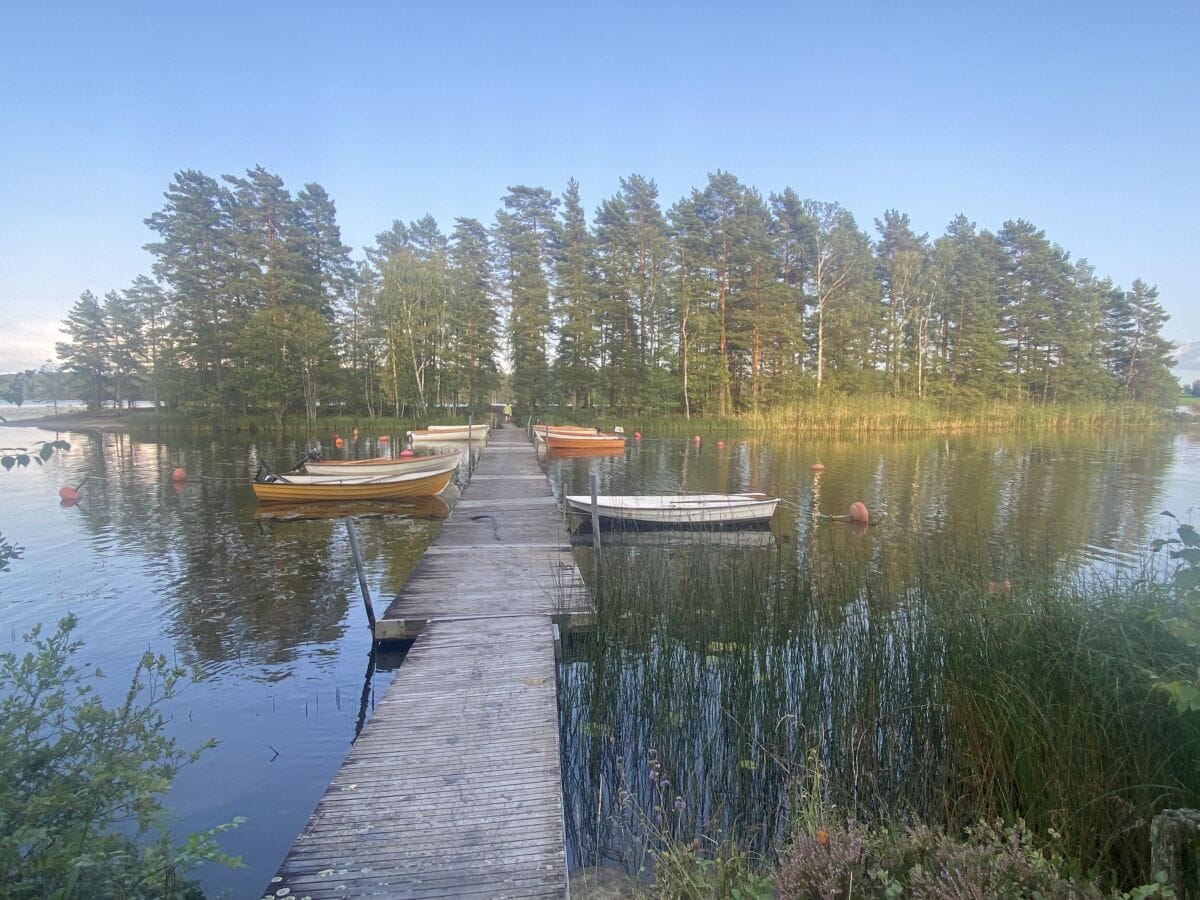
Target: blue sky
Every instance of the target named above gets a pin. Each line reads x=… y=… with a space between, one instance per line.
x=1080 y=117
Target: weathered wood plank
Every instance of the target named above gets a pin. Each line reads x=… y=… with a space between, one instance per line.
x=454 y=789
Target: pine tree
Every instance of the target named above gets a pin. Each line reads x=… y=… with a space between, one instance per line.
x=152 y=309
x=525 y=238
x=1143 y=355
x=86 y=351
x=197 y=259
x=471 y=318
x=575 y=303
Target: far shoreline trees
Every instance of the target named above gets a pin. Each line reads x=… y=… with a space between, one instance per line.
x=724 y=303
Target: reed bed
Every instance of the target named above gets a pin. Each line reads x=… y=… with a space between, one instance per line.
x=850 y=415
x=894 y=416
x=939 y=697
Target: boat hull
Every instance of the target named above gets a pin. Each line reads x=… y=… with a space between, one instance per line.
x=383 y=466
x=350 y=489
x=563 y=441
x=680 y=510
x=433 y=436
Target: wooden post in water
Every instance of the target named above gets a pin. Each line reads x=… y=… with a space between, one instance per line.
x=470 y=445
x=595 y=516
x=356 y=551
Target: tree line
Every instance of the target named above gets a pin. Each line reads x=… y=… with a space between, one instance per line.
x=724 y=302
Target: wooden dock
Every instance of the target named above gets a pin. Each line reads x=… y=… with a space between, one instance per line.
x=453 y=788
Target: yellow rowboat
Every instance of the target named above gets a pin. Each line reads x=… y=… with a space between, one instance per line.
x=382 y=465
x=563 y=441
x=303 y=488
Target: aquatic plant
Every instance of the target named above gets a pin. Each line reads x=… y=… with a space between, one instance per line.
x=926 y=697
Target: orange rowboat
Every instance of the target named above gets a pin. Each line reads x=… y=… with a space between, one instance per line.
x=563 y=441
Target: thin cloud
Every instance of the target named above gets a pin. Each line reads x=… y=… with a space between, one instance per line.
x=28 y=344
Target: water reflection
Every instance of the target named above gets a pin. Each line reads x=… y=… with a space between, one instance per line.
x=703 y=712
x=268 y=605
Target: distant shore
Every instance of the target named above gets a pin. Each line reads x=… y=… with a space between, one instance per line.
x=116 y=420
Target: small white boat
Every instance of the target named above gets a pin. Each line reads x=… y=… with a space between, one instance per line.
x=679 y=509
x=341 y=468
x=438 y=433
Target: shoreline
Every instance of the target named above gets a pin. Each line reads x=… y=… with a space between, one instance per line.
x=73 y=422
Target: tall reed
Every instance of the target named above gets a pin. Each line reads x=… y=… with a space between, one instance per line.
x=927 y=694
x=841 y=414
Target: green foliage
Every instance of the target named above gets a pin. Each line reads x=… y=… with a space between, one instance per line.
x=989 y=859
x=38 y=452
x=81 y=783
x=727 y=304
x=1181 y=615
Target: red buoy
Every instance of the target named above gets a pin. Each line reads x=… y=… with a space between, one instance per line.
x=817 y=467
x=179 y=475
x=859 y=513
x=406 y=453
x=720 y=444
x=337 y=442
x=69 y=494
x=637 y=435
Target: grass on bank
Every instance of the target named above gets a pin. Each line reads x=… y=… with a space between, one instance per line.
x=833 y=415
x=932 y=702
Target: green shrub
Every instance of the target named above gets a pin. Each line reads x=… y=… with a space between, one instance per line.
x=81 y=783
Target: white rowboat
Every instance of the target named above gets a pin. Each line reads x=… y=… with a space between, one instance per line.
x=343 y=468
x=679 y=509
x=438 y=433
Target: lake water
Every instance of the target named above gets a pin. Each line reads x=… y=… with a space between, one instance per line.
x=269 y=609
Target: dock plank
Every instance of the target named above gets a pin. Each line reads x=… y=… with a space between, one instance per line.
x=454 y=788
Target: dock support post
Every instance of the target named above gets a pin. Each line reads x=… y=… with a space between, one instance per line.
x=356 y=551
x=595 y=516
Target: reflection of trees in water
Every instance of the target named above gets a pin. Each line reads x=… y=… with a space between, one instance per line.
x=230 y=587
x=730 y=700
x=730 y=690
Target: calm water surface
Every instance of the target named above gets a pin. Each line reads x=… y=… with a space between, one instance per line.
x=269 y=610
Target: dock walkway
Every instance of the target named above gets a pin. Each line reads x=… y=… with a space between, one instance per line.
x=453 y=788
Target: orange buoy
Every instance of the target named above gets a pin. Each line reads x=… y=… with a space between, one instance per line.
x=720 y=444
x=383 y=439
x=69 y=494
x=637 y=435
x=338 y=442
x=858 y=512
x=406 y=452
x=817 y=467
x=179 y=475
